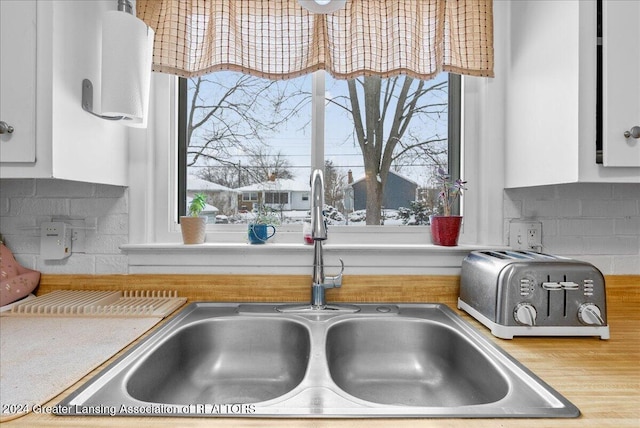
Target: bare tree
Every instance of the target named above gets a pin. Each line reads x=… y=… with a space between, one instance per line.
x=382 y=111
x=225 y=116
x=231 y=176
x=226 y=119
x=262 y=165
x=334 y=182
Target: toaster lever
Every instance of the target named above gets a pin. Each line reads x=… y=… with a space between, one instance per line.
x=552 y=286
x=569 y=285
x=562 y=285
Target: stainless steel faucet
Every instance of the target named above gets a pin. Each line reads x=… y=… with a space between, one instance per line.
x=319 y=234
x=320 y=282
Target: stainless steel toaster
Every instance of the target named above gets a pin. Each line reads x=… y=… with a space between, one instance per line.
x=525 y=293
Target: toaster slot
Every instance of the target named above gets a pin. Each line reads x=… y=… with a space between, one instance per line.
x=556 y=298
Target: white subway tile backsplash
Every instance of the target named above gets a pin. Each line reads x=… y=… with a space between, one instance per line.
x=10 y=225
x=594 y=222
x=611 y=245
x=627 y=226
x=626 y=263
x=104 y=244
x=549 y=226
x=117 y=224
x=94 y=207
x=27 y=203
x=512 y=208
x=4 y=205
x=556 y=208
x=76 y=263
x=31 y=207
x=24 y=242
x=111 y=264
x=599 y=223
x=609 y=208
x=585 y=227
x=562 y=245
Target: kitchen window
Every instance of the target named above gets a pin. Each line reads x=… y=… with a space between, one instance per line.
x=466 y=46
x=242 y=132
x=155 y=239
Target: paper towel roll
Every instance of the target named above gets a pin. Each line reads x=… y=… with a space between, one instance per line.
x=127 y=47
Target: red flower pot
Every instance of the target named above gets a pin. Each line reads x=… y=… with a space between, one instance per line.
x=445 y=230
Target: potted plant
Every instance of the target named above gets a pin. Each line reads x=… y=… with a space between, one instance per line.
x=263 y=226
x=445 y=229
x=194 y=226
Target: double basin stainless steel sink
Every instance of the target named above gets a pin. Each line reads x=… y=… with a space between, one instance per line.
x=371 y=360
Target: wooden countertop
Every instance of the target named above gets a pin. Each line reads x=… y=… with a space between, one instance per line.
x=601 y=377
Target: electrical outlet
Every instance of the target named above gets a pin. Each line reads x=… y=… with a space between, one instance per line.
x=525 y=235
x=533 y=236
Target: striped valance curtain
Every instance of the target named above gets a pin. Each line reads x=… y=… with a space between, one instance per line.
x=279 y=39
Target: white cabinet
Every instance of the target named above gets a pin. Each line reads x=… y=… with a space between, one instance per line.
x=621 y=82
x=18 y=81
x=69 y=143
x=550 y=94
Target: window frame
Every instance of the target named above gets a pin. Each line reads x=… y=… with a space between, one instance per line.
x=250 y=197
x=155 y=242
x=270 y=198
x=454 y=124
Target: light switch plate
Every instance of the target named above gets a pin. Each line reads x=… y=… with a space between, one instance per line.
x=525 y=235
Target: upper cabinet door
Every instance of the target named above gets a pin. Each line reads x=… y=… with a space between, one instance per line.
x=621 y=82
x=18 y=81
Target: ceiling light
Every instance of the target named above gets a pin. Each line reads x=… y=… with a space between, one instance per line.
x=322 y=6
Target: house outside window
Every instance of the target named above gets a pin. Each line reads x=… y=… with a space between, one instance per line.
x=249 y=196
x=276 y=198
x=253 y=140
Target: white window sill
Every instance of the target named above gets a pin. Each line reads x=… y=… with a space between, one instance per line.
x=296 y=259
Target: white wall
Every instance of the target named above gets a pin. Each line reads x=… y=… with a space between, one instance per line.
x=25 y=203
x=595 y=222
x=599 y=223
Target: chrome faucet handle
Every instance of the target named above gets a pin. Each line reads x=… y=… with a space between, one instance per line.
x=334 y=281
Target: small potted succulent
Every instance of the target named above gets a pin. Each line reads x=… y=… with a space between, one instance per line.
x=194 y=226
x=445 y=229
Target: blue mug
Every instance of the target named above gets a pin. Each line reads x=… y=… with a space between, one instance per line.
x=259 y=233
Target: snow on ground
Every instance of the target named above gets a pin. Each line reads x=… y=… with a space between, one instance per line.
x=334 y=217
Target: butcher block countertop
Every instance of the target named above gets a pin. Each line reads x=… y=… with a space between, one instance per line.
x=601 y=377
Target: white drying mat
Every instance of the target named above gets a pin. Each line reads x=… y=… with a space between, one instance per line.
x=41 y=356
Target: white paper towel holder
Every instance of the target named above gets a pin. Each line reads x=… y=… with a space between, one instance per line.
x=87 y=102
x=137 y=60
